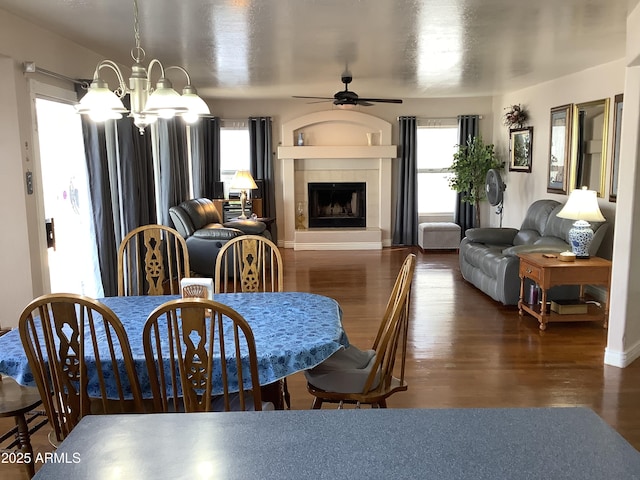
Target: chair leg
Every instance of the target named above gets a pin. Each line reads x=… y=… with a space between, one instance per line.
x=317 y=403
x=382 y=404
x=287 y=396
x=24 y=441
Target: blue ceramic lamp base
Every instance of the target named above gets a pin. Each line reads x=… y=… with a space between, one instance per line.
x=580 y=237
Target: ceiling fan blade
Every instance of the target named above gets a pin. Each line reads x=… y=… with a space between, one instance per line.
x=347 y=97
x=381 y=100
x=316 y=98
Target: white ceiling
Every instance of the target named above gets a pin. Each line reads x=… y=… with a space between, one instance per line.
x=394 y=48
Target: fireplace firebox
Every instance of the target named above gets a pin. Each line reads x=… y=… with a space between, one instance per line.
x=337 y=205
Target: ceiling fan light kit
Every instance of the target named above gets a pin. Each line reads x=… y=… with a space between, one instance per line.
x=147 y=103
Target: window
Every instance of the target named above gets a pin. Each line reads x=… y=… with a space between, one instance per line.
x=234 y=150
x=436 y=143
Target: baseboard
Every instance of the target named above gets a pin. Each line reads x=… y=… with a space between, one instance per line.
x=339 y=246
x=620 y=359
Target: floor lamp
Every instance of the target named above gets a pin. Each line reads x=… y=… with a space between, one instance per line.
x=243 y=181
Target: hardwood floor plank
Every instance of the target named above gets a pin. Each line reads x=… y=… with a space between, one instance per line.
x=466 y=349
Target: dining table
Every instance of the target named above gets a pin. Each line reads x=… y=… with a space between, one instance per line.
x=293 y=331
x=474 y=443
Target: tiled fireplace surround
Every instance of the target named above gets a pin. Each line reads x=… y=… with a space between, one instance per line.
x=336 y=150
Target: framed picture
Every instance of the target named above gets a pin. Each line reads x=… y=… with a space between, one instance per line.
x=615 y=153
x=521 y=149
x=559 y=149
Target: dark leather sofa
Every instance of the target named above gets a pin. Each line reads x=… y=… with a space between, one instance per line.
x=200 y=223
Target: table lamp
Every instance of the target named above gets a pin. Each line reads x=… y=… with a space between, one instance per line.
x=243 y=181
x=582 y=206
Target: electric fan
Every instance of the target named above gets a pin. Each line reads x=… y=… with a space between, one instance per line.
x=495 y=191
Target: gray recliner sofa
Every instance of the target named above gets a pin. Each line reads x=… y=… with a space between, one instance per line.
x=488 y=256
x=200 y=223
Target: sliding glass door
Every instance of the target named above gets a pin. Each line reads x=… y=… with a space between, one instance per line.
x=71 y=247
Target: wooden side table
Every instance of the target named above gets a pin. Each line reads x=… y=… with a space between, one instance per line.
x=550 y=272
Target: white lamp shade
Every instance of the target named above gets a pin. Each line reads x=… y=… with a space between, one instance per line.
x=196 y=107
x=165 y=101
x=243 y=180
x=582 y=205
x=100 y=104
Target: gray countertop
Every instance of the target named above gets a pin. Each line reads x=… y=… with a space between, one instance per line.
x=541 y=443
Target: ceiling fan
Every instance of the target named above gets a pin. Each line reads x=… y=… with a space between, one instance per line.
x=348 y=97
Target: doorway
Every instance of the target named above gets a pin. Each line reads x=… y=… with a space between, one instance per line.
x=71 y=248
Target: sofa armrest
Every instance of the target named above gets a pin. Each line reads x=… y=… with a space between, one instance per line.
x=515 y=250
x=248 y=226
x=181 y=221
x=217 y=232
x=493 y=236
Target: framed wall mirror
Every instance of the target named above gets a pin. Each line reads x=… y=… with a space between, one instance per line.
x=615 y=153
x=559 y=149
x=590 y=129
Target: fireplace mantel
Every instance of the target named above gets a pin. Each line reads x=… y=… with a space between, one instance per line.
x=339 y=151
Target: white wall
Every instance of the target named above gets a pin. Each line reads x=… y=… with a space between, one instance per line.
x=21 y=254
x=623 y=344
x=15 y=263
x=604 y=81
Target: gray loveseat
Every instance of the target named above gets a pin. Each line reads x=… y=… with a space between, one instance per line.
x=488 y=256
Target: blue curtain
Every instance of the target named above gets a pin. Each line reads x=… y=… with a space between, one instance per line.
x=174 y=172
x=120 y=171
x=405 y=230
x=208 y=163
x=465 y=213
x=261 y=166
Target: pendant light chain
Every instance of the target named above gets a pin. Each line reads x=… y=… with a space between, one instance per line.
x=137 y=52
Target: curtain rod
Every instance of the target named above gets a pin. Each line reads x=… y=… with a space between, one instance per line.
x=435 y=119
x=30 y=67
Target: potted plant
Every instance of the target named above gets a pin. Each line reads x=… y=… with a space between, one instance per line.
x=470 y=166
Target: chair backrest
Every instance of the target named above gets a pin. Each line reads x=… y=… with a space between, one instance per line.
x=152 y=259
x=199 y=354
x=79 y=354
x=392 y=333
x=249 y=263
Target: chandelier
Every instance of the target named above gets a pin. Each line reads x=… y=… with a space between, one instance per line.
x=147 y=104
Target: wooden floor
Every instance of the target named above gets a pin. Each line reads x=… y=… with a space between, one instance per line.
x=466 y=350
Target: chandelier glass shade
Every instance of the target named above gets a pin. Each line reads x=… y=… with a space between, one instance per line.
x=147 y=103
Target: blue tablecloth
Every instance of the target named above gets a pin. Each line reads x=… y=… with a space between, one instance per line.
x=293 y=332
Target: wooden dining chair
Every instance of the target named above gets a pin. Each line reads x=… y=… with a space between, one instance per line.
x=152 y=259
x=251 y=263
x=197 y=351
x=80 y=358
x=369 y=377
x=20 y=402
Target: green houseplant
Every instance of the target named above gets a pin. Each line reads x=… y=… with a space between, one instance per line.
x=470 y=166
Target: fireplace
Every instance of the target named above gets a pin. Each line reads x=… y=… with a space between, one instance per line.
x=336 y=150
x=337 y=205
